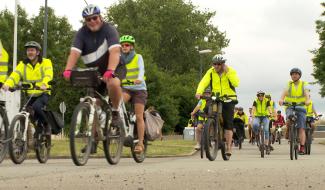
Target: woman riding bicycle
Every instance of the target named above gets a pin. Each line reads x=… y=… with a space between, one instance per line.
x=136 y=91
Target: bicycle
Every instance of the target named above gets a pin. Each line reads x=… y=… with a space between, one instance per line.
x=238 y=132
x=293 y=130
x=260 y=139
x=212 y=138
x=278 y=133
x=308 y=132
x=19 y=127
x=86 y=126
x=4 y=123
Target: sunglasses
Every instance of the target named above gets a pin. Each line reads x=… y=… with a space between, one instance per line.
x=94 y=18
x=217 y=63
x=126 y=45
x=260 y=95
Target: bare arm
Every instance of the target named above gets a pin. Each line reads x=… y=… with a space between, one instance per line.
x=114 y=58
x=72 y=59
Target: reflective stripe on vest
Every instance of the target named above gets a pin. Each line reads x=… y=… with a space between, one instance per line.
x=295 y=94
x=261 y=108
x=132 y=72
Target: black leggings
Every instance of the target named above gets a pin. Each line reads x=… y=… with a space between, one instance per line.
x=38 y=104
x=228 y=115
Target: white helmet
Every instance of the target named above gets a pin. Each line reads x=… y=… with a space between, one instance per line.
x=90 y=10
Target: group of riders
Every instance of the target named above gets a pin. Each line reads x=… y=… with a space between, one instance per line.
x=262 y=113
x=99 y=45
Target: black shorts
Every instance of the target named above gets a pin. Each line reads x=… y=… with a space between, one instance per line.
x=228 y=115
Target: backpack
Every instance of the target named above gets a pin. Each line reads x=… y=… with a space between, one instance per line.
x=153 y=125
x=55 y=121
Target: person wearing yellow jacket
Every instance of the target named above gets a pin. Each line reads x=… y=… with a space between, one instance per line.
x=297 y=91
x=4 y=59
x=37 y=71
x=223 y=80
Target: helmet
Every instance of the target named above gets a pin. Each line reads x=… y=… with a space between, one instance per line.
x=268 y=96
x=90 y=10
x=240 y=109
x=207 y=90
x=218 y=59
x=33 y=44
x=127 y=38
x=260 y=92
x=295 y=70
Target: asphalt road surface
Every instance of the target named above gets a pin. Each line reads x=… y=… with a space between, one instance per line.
x=245 y=170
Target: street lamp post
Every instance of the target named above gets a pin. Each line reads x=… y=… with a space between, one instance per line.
x=205 y=51
x=45 y=31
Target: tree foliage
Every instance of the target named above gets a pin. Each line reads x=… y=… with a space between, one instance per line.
x=319 y=59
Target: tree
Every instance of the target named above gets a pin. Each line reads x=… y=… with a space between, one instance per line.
x=319 y=59
x=167 y=33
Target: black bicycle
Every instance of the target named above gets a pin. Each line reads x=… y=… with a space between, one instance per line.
x=308 y=131
x=212 y=138
x=4 y=123
x=260 y=139
x=19 y=126
x=293 y=130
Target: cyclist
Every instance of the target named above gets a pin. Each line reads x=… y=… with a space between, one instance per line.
x=297 y=91
x=279 y=122
x=97 y=42
x=4 y=59
x=261 y=111
x=37 y=71
x=201 y=119
x=223 y=80
x=137 y=91
x=311 y=112
x=250 y=124
x=240 y=122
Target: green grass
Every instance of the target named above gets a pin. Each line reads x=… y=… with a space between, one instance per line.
x=155 y=149
x=322 y=142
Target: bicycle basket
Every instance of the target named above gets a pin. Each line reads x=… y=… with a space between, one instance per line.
x=85 y=78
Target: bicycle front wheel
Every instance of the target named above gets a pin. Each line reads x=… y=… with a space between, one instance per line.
x=81 y=135
x=262 y=143
x=292 y=142
x=43 y=148
x=211 y=144
x=18 y=143
x=3 y=134
x=113 y=143
x=139 y=158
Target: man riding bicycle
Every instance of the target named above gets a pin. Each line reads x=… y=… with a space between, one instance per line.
x=137 y=90
x=201 y=119
x=36 y=71
x=223 y=80
x=271 y=118
x=250 y=124
x=240 y=121
x=97 y=42
x=261 y=111
x=297 y=91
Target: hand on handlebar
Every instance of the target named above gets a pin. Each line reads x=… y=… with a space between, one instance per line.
x=198 y=96
x=67 y=74
x=5 y=88
x=281 y=102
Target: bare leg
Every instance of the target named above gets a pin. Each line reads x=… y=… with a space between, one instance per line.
x=302 y=136
x=139 y=110
x=228 y=136
x=114 y=91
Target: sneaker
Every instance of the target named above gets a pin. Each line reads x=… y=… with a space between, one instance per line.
x=197 y=146
x=302 y=150
x=116 y=118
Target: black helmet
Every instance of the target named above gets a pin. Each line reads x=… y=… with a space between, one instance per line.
x=260 y=92
x=295 y=70
x=240 y=109
x=33 y=44
x=218 y=59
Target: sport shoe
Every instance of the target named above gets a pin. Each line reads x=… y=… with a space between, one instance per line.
x=116 y=119
x=302 y=150
x=197 y=146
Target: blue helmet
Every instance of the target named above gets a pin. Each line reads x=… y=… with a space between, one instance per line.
x=90 y=10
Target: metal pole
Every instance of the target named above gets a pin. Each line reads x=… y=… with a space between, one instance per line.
x=15 y=35
x=45 y=31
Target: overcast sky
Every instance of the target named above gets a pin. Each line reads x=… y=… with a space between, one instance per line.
x=267 y=38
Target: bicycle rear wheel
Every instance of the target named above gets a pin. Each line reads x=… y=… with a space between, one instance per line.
x=211 y=143
x=17 y=144
x=308 y=141
x=3 y=134
x=113 y=143
x=81 y=135
x=43 y=148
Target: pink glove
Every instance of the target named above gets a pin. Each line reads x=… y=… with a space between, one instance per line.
x=108 y=74
x=67 y=74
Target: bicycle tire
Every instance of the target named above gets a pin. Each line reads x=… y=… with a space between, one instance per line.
x=296 y=143
x=202 y=143
x=292 y=144
x=3 y=134
x=17 y=146
x=139 y=158
x=211 y=143
x=262 y=143
x=43 y=148
x=308 y=141
x=81 y=157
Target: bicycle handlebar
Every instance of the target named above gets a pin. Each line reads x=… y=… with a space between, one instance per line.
x=293 y=104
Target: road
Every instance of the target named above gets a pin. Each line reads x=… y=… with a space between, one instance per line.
x=245 y=170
